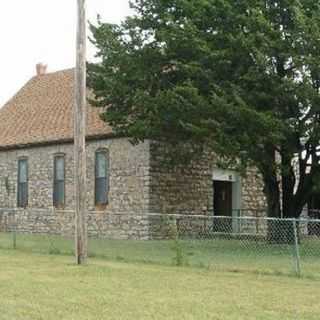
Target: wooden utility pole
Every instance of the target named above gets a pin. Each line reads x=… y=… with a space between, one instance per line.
x=79 y=139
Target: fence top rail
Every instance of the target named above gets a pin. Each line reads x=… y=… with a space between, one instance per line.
x=303 y=219
x=13 y=211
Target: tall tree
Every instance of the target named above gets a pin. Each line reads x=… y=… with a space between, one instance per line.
x=239 y=77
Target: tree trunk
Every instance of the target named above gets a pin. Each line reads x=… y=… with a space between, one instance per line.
x=282 y=201
x=272 y=193
x=281 y=231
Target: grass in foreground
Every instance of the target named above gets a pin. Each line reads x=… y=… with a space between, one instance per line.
x=36 y=287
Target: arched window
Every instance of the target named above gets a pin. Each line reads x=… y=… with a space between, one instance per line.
x=59 y=181
x=22 y=183
x=101 y=177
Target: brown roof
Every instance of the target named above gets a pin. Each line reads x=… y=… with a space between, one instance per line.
x=42 y=112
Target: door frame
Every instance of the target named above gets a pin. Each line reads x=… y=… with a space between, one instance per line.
x=235 y=178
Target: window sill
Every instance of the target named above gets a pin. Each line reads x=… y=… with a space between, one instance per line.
x=100 y=207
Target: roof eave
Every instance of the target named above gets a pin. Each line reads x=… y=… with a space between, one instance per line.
x=55 y=142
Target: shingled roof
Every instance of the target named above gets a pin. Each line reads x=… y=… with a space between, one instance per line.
x=42 y=112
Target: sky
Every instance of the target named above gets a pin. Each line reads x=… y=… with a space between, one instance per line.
x=44 y=31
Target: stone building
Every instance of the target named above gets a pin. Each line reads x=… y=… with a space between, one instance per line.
x=127 y=184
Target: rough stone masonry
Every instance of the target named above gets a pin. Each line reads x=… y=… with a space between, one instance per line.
x=140 y=187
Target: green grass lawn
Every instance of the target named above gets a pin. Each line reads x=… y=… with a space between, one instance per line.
x=217 y=254
x=35 y=286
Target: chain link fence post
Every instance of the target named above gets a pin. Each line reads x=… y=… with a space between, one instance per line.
x=296 y=251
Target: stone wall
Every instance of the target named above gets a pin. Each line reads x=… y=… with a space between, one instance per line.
x=141 y=182
x=128 y=174
x=124 y=226
x=188 y=189
x=128 y=196
x=253 y=200
x=185 y=189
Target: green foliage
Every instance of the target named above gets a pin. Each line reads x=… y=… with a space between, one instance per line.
x=240 y=78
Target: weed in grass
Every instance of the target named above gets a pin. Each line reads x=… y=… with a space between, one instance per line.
x=54 y=251
x=119 y=258
x=92 y=255
x=180 y=258
x=203 y=266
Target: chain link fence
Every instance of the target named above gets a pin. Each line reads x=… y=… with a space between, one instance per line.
x=239 y=243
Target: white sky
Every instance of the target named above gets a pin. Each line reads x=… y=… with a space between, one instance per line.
x=33 y=31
